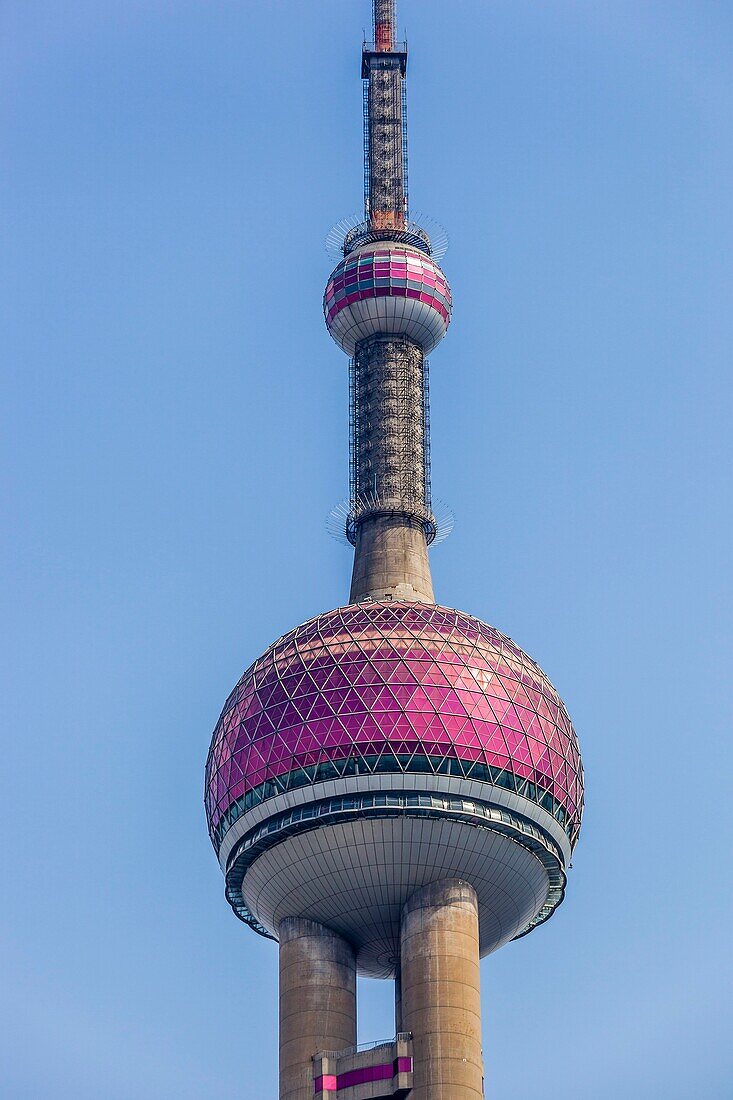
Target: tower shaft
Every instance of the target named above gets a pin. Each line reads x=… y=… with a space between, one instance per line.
x=391 y=561
x=390 y=485
x=390 y=429
x=440 y=1001
x=317 y=1001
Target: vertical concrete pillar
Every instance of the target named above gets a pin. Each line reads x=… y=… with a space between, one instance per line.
x=391 y=561
x=317 y=1001
x=441 y=1003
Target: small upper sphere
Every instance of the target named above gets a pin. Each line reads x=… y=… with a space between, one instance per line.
x=387 y=289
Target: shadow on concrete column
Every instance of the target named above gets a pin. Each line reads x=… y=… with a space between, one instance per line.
x=317 y=1001
x=440 y=992
x=398 y=1001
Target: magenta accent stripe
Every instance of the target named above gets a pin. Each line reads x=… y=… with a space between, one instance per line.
x=386 y=292
x=330 y=1083
x=364 y=1075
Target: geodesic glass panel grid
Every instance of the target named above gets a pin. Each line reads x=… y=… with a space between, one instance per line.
x=387 y=290
x=389 y=687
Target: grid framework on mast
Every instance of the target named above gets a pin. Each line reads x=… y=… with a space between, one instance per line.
x=386 y=203
x=389 y=436
x=384 y=67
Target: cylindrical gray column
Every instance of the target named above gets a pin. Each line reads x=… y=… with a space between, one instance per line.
x=391 y=561
x=317 y=1001
x=441 y=1003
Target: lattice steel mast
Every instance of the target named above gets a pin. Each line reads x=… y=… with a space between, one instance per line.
x=384 y=66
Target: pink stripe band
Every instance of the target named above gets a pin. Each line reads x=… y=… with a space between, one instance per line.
x=326 y=1083
x=330 y=1083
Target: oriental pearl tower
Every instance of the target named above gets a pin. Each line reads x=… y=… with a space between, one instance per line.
x=394 y=788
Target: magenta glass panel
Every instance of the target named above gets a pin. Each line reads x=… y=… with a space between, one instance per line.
x=394 y=678
x=348 y=282
x=364 y=1075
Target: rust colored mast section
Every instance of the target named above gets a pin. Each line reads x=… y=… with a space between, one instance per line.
x=384 y=64
x=384 y=22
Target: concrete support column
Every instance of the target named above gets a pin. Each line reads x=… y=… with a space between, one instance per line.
x=317 y=1001
x=441 y=1004
x=391 y=561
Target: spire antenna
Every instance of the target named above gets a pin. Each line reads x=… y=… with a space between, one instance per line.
x=384 y=20
x=388 y=305
x=384 y=69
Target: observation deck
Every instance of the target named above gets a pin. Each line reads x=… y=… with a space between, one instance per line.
x=370 y=52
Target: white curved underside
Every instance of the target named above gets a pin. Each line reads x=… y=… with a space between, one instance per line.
x=408 y=317
x=355 y=877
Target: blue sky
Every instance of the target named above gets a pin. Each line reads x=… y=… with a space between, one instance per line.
x=176 y=432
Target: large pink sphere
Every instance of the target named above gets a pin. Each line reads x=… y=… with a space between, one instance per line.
x=378 y=688
x=387 y=289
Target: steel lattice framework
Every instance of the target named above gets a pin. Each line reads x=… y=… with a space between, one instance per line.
x=384 y=66
x=390 y=459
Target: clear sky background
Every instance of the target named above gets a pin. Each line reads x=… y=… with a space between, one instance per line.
x=175 y=433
